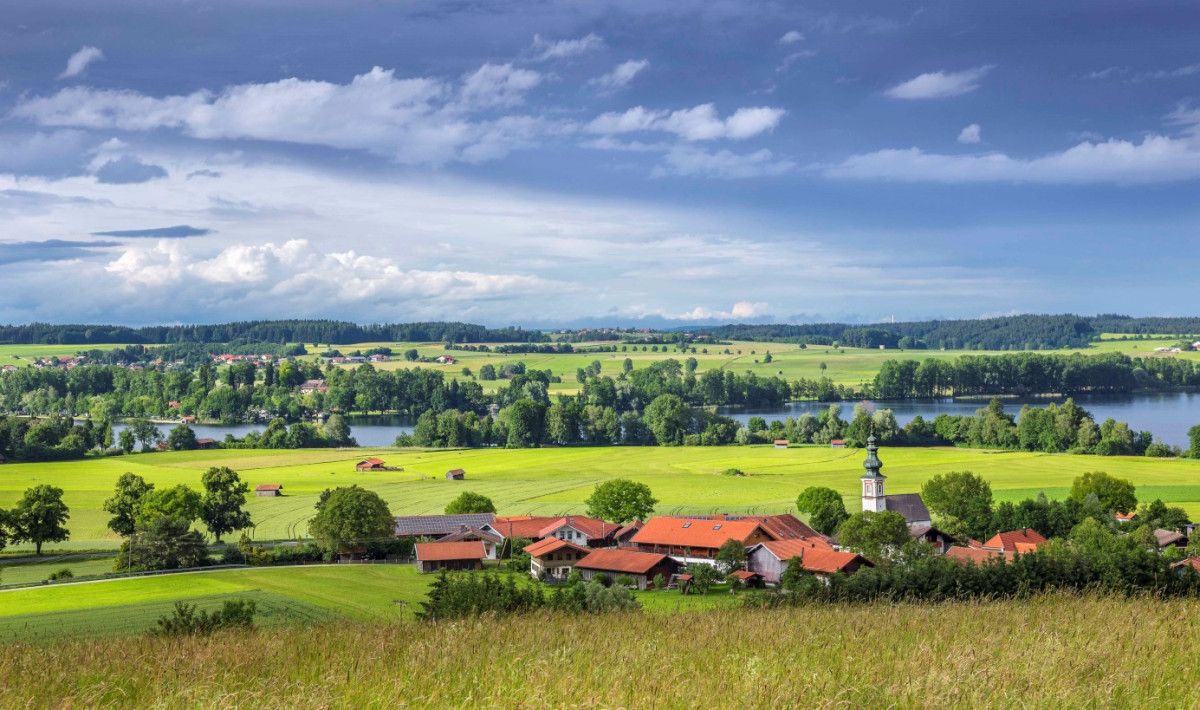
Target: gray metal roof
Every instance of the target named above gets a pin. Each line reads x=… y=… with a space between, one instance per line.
x=437 y=525
x=910 y=506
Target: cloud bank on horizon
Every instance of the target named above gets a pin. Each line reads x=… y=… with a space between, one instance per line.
x=585 y=165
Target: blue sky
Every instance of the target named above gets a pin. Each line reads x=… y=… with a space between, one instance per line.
x=553 y=163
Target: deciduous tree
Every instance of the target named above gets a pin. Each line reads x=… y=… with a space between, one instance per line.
x=39 y=516
x=224 y=496
x=621 y=501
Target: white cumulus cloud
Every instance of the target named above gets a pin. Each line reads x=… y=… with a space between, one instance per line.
x=791 y=37
x=619 y=77
x=79 y=61
x=699 y=123
x=689 y=161
x=970 y=134
x=940 y=84
x=544 y=49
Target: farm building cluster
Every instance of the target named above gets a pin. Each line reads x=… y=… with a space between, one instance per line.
x=669 y=545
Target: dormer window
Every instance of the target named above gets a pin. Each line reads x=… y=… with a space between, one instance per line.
x=717 y=526
x=687 y=525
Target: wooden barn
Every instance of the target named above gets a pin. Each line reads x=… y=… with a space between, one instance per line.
x=434 y=556
x=456 y=475
x=370 y=465
x=268 y=490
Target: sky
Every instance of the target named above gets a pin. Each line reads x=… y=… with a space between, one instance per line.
x=628 y=163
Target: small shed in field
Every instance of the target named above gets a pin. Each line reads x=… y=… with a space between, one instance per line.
x=781 y=443
x=370 y=465
x=206 y=443
x=268 y=490
x=837 y=444
x=456 y=475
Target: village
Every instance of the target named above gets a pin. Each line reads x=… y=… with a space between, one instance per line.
x=663 y=551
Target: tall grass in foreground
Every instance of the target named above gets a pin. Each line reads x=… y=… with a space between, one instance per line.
x=1053 y=651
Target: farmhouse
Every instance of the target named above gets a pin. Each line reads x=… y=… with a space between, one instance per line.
x=456 y=475
x=940 y=541
x=446 y=359
x=310 y=386
x=770 y=559
x=874 y=499
x=370 y=465
x=581 y=530
x=433 y=556
x=623 y=537
x=1023 y=540
x=189 y=419
x=976 y=555
x=492 y=542
x=439 y=526
x=268 y=490
x=1125 y=517
x=641 y=566
x=554 y=558
x=689 y=540
x=1170 y=538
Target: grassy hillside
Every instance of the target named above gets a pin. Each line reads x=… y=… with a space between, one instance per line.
x=1052 y=652
x=558 y=480
x=284 y=595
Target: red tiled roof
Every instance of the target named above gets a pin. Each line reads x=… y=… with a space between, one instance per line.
x=975 y=555
x=632 y=527
x=517 y=526
x=781 y=441
x=1125 y=517
x=744 y=575
x=627 y=561
x=373 y=462
x=594 y=528
x=815 y=556
x=268 y=487
x=1007 y=541
x=695 y=532
x=552 y=544
x=1193 y=562
x=441 y=551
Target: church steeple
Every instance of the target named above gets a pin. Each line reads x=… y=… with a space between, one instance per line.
x=873 y=498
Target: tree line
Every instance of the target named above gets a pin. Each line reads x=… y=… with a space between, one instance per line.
x=1029 y=373
x=277 y=331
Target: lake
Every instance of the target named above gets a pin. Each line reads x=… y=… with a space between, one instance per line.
x=1168 y=415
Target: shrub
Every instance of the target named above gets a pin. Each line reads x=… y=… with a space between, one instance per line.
x=64 y=573
x=733 y=472
x=601 y=579
x=186 y=621
x=660 y=582
x=624 y=580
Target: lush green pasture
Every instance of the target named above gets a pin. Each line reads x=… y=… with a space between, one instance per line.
x=24 y=571
x=555 y=481
x=849 y=366
x=284 y=594
x=1047 y=652
x=24 y=355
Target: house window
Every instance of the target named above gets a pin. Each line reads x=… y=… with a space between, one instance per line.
x=717 y=526
x=687 y=525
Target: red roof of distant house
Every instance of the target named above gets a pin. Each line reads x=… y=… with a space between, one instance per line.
x=1125 y=517
x=625 y=529
x=206 y=441
x=744 y=575
x=373 y=462
x=592 y=527
x=837 y=441
x=627 y=561
x=815 y=555
x=268 y=487
x=781 y=441
x=695 y=532
x=975 y=555
x=441 y=551
x=518 y=526
x=1193 y=562
x=552 y=544
x=1007 y=541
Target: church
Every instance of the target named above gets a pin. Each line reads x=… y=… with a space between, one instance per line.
x=876 y=500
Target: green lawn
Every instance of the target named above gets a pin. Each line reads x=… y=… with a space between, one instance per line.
x=24 y=355
x=21 y=572
x=555 y=481
x=284 y=594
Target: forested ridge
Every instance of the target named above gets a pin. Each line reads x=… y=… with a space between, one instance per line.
x=276 y=331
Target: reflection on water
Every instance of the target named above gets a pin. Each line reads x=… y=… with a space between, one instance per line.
x=1169 y=415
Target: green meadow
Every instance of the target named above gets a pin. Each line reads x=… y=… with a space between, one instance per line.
x=848 y=366
x=24 y=355
x=553 y=481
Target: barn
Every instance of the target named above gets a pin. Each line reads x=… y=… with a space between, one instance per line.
x=456 y=475
x=268 y=490
x=434 y=556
